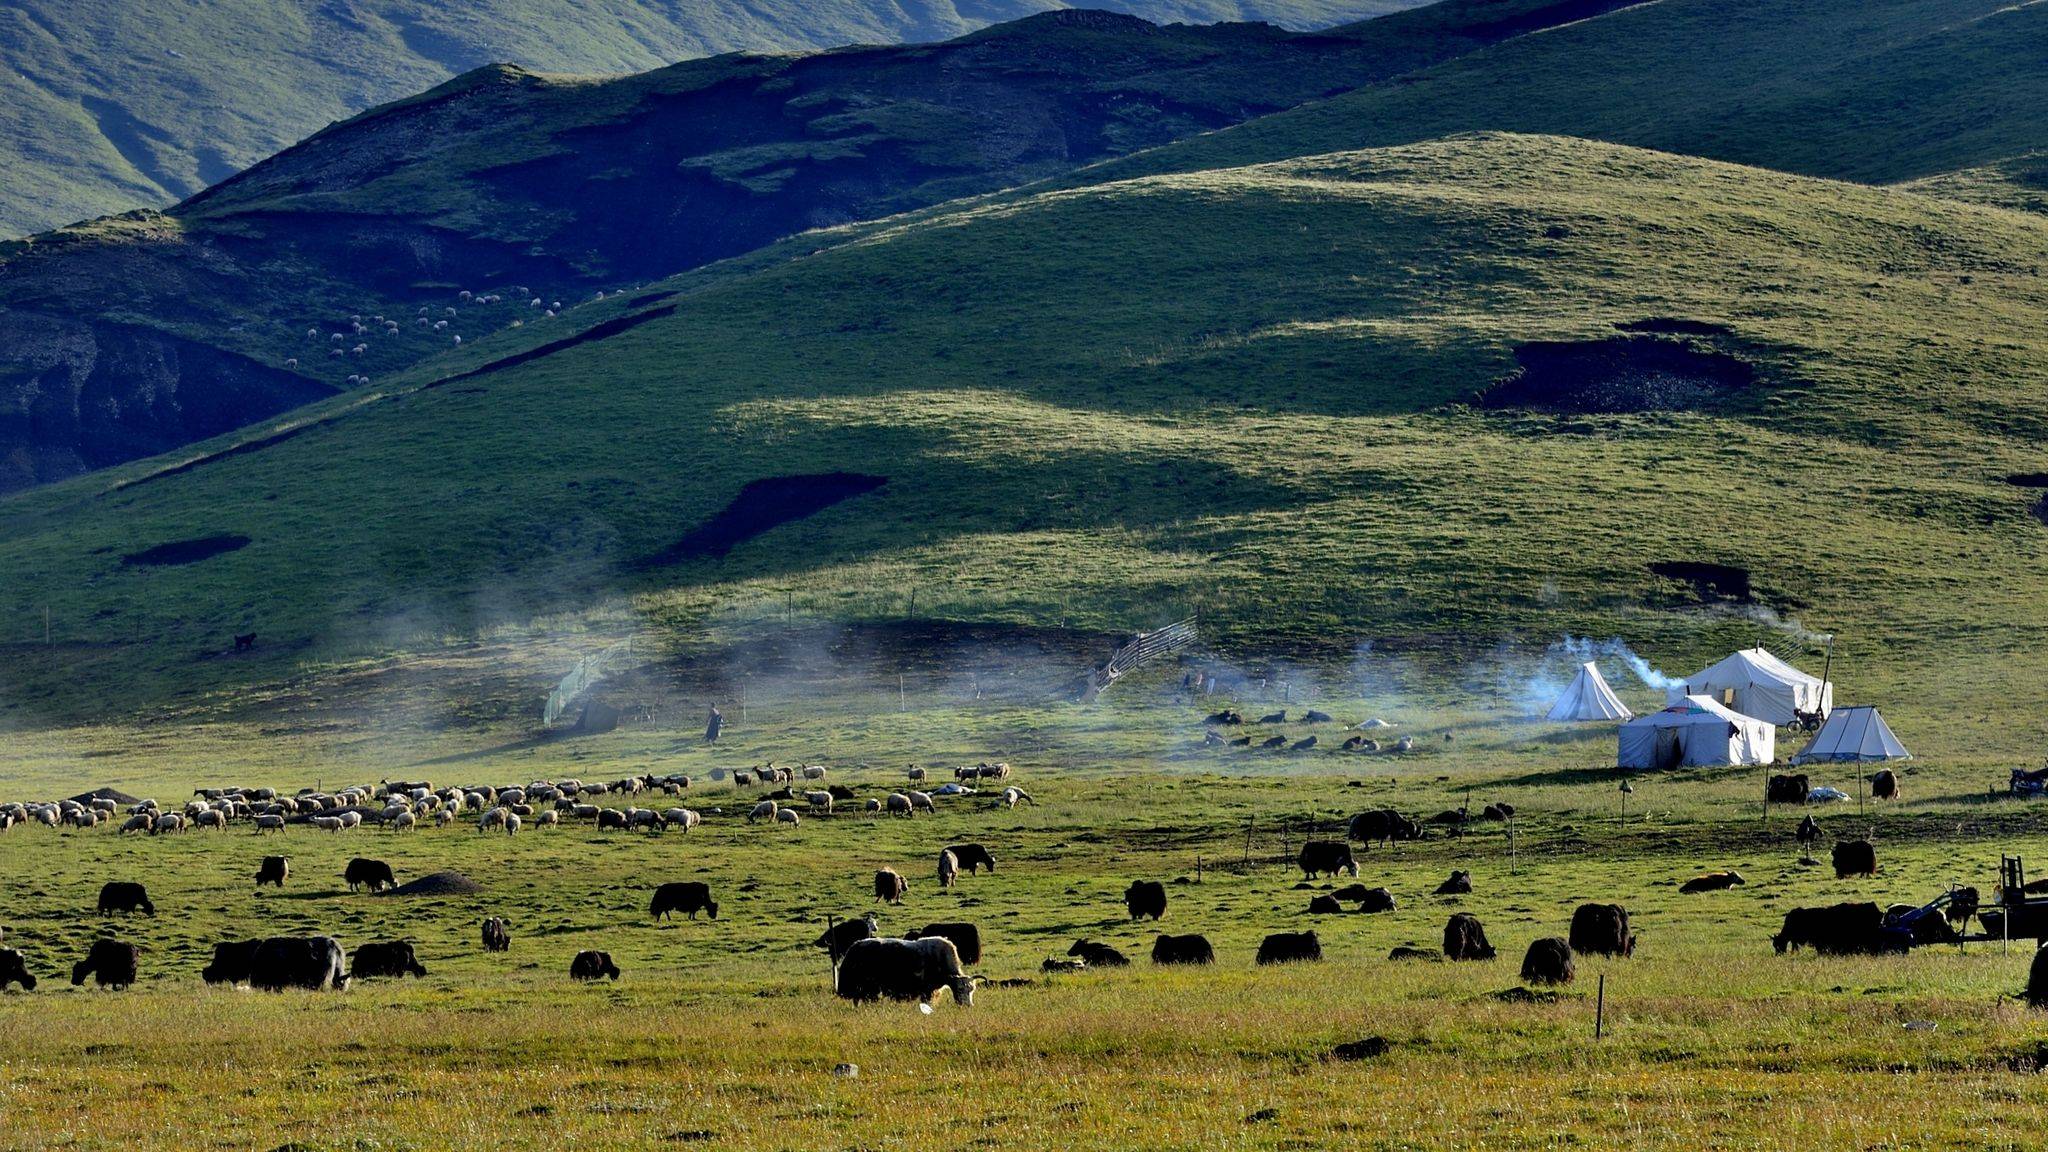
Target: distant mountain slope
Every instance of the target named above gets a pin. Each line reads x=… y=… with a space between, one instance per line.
x=127 y=336
x=108 y=105
x=1869 y=90
x=1454 y=390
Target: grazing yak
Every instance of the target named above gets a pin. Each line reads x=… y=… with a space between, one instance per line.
x=273 y=870
x=14 y=970
x=1289 y=948
x=1460 y=884
x=311 y=963
x=845 y=934
x=2036 y=993
x=125 y=896
x=1855 y=858
x=966 y=938
x=373 y=874
x=1840 y=930
x=1786 y=789
x=1145 y=898
x=1712 y=882
x=110 y=963
x=1884 y=785
x=903 y=970
x=1191 y=949
x=593 y=965
x=497 y=937
x=689 y=897
x=1602 y=929
x=1548 y=961
x=1326 y=858
x=231 y=960
x=1098 y=955
x=1465 y=938
x=1407 y=952
x=385 y=958
x=890 y=887
x=1383 y=825
x=1324 y=906
x=972 y=857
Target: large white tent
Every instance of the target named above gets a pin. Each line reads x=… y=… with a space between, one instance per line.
x=1589 y=698
x=1695 y=732
x=1853 y=734
x=1756 y=683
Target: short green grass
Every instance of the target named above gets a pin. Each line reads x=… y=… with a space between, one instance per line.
x=725 y=1033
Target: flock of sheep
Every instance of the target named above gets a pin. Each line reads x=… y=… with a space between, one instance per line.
x=350 y=340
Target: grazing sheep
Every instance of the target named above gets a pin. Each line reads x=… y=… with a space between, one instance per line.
x=497 y=937
x=688 y=896
x=917 y=775
x=788 y=816
x=819 y=802
x=899 y=804
x=212 y=818
x=403 y=822
x=949 y=868
x=495 y=818
x=511 y=823
x=890 y=886
x=168 y=822
x=610 y=819
x=903 y=970
x=111 y=964
x=765 y=810
x=871 y=805
x=684 y=818
x=1013 y=794
x=922 y=802
x=327 y=823
x=273 y=871
x=1145 y=898
x=814 y=772
x=141 y=821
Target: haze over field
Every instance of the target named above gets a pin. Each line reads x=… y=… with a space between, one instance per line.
x=1575 y=464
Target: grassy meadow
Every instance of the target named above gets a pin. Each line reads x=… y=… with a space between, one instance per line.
x=724 y=1032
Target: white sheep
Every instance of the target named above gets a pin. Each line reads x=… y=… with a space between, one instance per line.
x=949 y=868
x=327 y=823
x=350 y=819
x=684 y=818
x=511 y=823
x=900 y=803
x=820 y=801
x=269 y=823
x=923 y=801
x=788 y=816
x=765 y=810
x=814 y=772
x=403 y=822
x=495 y=818
x=1013 y=794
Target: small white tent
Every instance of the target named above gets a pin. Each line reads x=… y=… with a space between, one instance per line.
x=1853 y=734
x=1693 y=733
x=1756 y=683
x=1589 y=698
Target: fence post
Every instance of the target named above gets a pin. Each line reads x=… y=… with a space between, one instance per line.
x=1600 y=1010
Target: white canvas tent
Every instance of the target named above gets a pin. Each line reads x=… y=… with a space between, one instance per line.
x=1853 y=734
x=1589 y=698
x=1695 y=732
x=1756 y=683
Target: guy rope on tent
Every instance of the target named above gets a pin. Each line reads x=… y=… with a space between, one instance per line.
x=1147 y=647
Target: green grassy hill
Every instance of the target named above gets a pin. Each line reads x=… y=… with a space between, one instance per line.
x=109 y=106
x=129 y=335
x=1869 y=90
x=1247 y=392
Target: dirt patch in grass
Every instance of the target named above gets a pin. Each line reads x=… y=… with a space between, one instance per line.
x=1673 y=326
x=186 y=551
x=764 y=505
x=438 y=884
x=1710 y=582
x=1625 y=374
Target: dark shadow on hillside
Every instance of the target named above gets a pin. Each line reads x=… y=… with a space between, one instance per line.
x=186 y=551
x=766 y=504
x=1626 y=374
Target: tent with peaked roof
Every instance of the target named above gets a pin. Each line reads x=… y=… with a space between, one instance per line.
x=1756 y=683
x=1858 y=733
x=1695 y=732
x=1589 y=698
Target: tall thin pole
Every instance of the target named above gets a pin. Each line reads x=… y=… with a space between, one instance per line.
x=1600 y=1010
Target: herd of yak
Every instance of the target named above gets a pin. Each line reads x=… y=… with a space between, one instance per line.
x=866 y=964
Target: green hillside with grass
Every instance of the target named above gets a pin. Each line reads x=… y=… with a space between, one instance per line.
x=108 y=106
x=1264 y=394
x=1876 y=91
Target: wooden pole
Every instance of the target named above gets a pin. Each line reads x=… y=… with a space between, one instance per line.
x=1600 y=1010
x=900 y=706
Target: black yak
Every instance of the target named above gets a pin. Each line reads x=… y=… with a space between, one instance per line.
x=1548 y=961
x=593 y=965
x=966 y=938
x=1145 y=898
x=385 y=958
x=844 y=934
x=689 y=897
x=308 y=962
x=1383 y=825
x=1855 y=858
x=14 y=970
x=1712 y=882
x=110 y=963
x=1326 y=858
x=125 y=896
x=971 y=857
x=1098 y=955
x=1182 y=950
x=230 y=964
x=1839 y=930
x=903 y=970
x=374 y=874
x=273 y=870
x=497 y=937
x=1465 y=938
x=1290 y=947
x=1602 y=929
